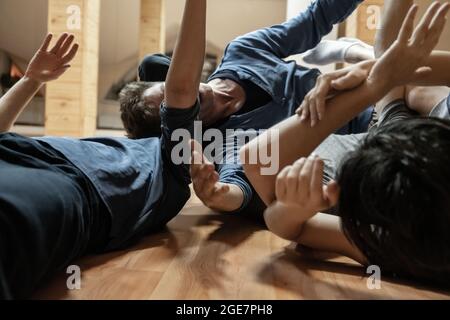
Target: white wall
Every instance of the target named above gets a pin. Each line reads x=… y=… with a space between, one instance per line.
x=23 y=25
x=228 y=19
x=119 y=41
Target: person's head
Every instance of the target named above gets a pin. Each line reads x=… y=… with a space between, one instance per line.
x=140 y=104
x=395 y=199
x=140 y=109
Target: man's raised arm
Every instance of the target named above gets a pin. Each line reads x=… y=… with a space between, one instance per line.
x=183 y=80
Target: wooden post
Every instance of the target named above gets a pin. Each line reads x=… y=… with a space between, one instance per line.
x=364 y=22
x=152 y=28
x=71 y=102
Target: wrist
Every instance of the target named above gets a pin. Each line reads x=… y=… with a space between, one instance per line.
x=284 y=220
x=31 y=80
x=301 y=214
x=377 y=88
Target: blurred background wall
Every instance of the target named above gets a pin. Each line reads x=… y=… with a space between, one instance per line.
x=23 y=24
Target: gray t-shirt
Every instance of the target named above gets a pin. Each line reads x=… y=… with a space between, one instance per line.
x=336 y=148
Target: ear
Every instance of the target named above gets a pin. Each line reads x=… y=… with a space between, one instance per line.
x=332 y=192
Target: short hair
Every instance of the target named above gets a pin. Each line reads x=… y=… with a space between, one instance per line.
x=140 y=119
x=395 y=199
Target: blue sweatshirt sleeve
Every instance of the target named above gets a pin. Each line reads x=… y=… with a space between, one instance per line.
x=301 y=33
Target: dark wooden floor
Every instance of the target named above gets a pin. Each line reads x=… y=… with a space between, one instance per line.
x=203 y=255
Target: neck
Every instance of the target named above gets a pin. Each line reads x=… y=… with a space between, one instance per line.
x=226 y=90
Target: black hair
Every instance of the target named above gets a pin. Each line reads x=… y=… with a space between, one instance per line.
x=395 y=199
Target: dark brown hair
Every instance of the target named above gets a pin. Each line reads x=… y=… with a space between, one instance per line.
x=140 y=119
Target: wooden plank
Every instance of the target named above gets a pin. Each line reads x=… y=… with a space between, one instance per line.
x=152 y=28
x=363 y=23
x=71 y=102
x=204 y=255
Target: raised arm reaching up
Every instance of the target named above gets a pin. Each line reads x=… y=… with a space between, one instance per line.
x=185 y=71
x=46 y=65
x=398 y=66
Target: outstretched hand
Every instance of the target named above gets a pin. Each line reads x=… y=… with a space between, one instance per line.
x=48 y=65
x=405 y=61
x=205 y=179
x=313 y=107
x=402 y=64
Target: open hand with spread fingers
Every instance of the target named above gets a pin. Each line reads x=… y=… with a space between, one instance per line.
x=48 y=65
x=402 y=64
x=405 y=61
x=214 y=194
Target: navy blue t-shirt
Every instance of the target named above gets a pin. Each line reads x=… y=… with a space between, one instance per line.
x=137 y=180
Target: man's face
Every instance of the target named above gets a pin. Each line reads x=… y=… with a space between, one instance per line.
x=154 y=96
x=206 y=94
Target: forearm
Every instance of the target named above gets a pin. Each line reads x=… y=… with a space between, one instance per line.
x=324 y=233
x=183 y=79
x=15 y=100
x=298 y=139
x=284 y=221
x=394 y=13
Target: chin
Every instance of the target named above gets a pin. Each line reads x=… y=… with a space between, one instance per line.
x=206 y=99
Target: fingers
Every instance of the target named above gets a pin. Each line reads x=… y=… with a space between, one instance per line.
x=203 y=174
x=302 y=184
x=72 y=53
x=427 y=34
x=305 y=108
x=408 y=25
x=323 y=90
x=65 y=46
x=46 y=43
x=209 y=178
x=317 y=180
x=197 y=158
x=320 y=106
x=204 y=177
x=349 y=81
x=196 y=153
x=305 y=177
x=422 y=29
x=437 y=26
x=293 y=178
x=280 y=188
x=59 y=43
x=314 y=104
x=313 y=112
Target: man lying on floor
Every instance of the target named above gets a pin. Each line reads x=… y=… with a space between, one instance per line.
x=63 y=198
x=254 y=88
x=392 y=192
